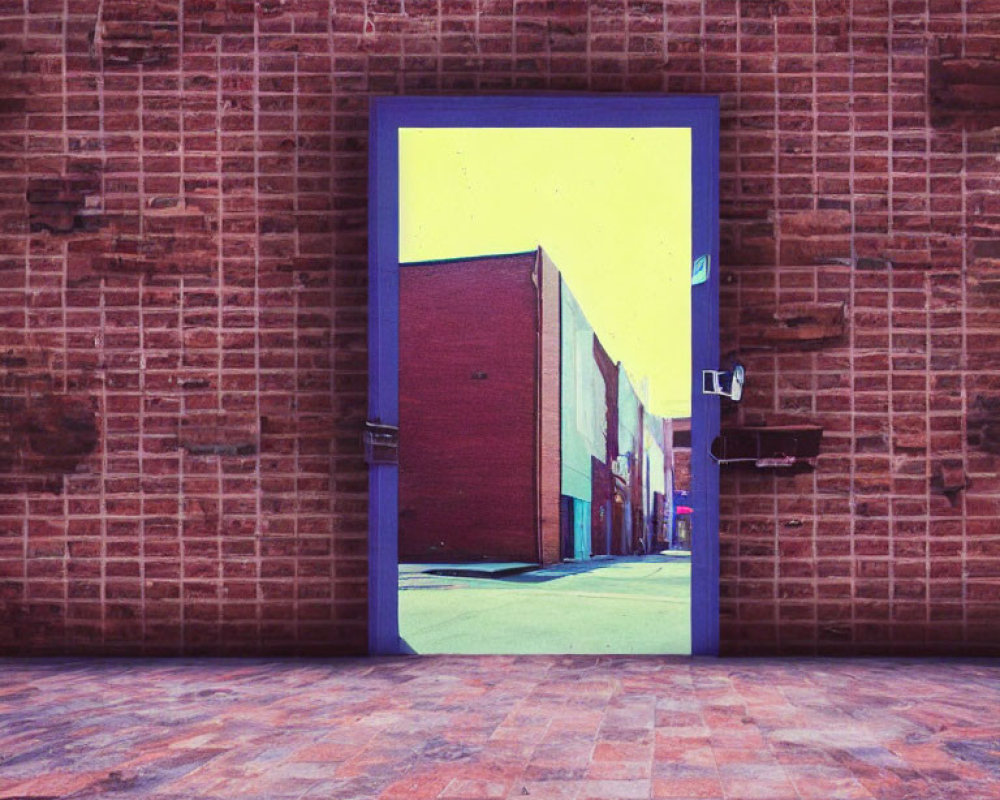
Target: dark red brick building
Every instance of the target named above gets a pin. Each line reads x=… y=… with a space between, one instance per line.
x=482 y=401
x=472 y=352
x=183 y=364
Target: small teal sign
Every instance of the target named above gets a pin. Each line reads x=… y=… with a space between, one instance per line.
x=699 y=272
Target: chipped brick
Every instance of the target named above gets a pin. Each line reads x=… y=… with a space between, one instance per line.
x=47 y=435
x=222 y=434
x=965 y=92
x=815 y=223
x=799 y=323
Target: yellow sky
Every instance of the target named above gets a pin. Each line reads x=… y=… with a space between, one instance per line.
x=611 y=206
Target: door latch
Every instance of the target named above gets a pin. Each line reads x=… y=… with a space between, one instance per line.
x=727 y=384
x=381 y=443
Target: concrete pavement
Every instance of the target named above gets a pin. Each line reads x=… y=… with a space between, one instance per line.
x=622 y=605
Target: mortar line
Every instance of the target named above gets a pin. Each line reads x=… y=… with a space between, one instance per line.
x=140 y=457
x=890 y=307
x=627 y=71
x=965 y=353
x=296 y=360
x=548 y=51
x=776 y=294
x=814 y=358
x=589 y=49
x=852 y=332
x=64 y=253
x=513 y=42
x=333 y=304
x=928 y=351
x=220 y=283
x=701 y=37
x=64 y=248
x=182 y=200
x=181 y=513
x=478 y=34
x=964 y=389
x=102 y=338
x=26 y=328
x=258 y=555
x=140 y=422
x=102 y=483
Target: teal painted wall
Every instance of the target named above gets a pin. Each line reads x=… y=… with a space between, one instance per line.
x=655 y=478
x=581 y=528
x=628 y=416
x=628 y=445
x=583 y=417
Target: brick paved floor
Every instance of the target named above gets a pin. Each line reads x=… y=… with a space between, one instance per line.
x=529 y=727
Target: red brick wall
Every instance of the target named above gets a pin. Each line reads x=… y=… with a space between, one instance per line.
x=468 y=389
x=182 y=271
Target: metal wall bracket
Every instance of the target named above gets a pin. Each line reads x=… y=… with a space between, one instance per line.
x=727 y=384
x=381 y=443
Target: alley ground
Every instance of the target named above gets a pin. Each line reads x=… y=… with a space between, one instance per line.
x=624 y=605
x=516 y=728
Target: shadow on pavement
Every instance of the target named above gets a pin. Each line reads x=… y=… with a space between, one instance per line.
x=567 y=568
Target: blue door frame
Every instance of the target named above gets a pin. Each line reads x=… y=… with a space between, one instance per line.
x=388 y=115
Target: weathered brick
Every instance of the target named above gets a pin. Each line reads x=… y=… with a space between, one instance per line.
x=965 y=91
x=175 y=234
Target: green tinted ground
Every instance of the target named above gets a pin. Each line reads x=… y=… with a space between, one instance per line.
x=622 y=605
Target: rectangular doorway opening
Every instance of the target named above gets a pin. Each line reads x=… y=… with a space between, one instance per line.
x=536 y=323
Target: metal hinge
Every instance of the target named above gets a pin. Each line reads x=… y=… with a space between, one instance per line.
x=381 y=443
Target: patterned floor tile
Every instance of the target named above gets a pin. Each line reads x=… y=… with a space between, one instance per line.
x=510 y=728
